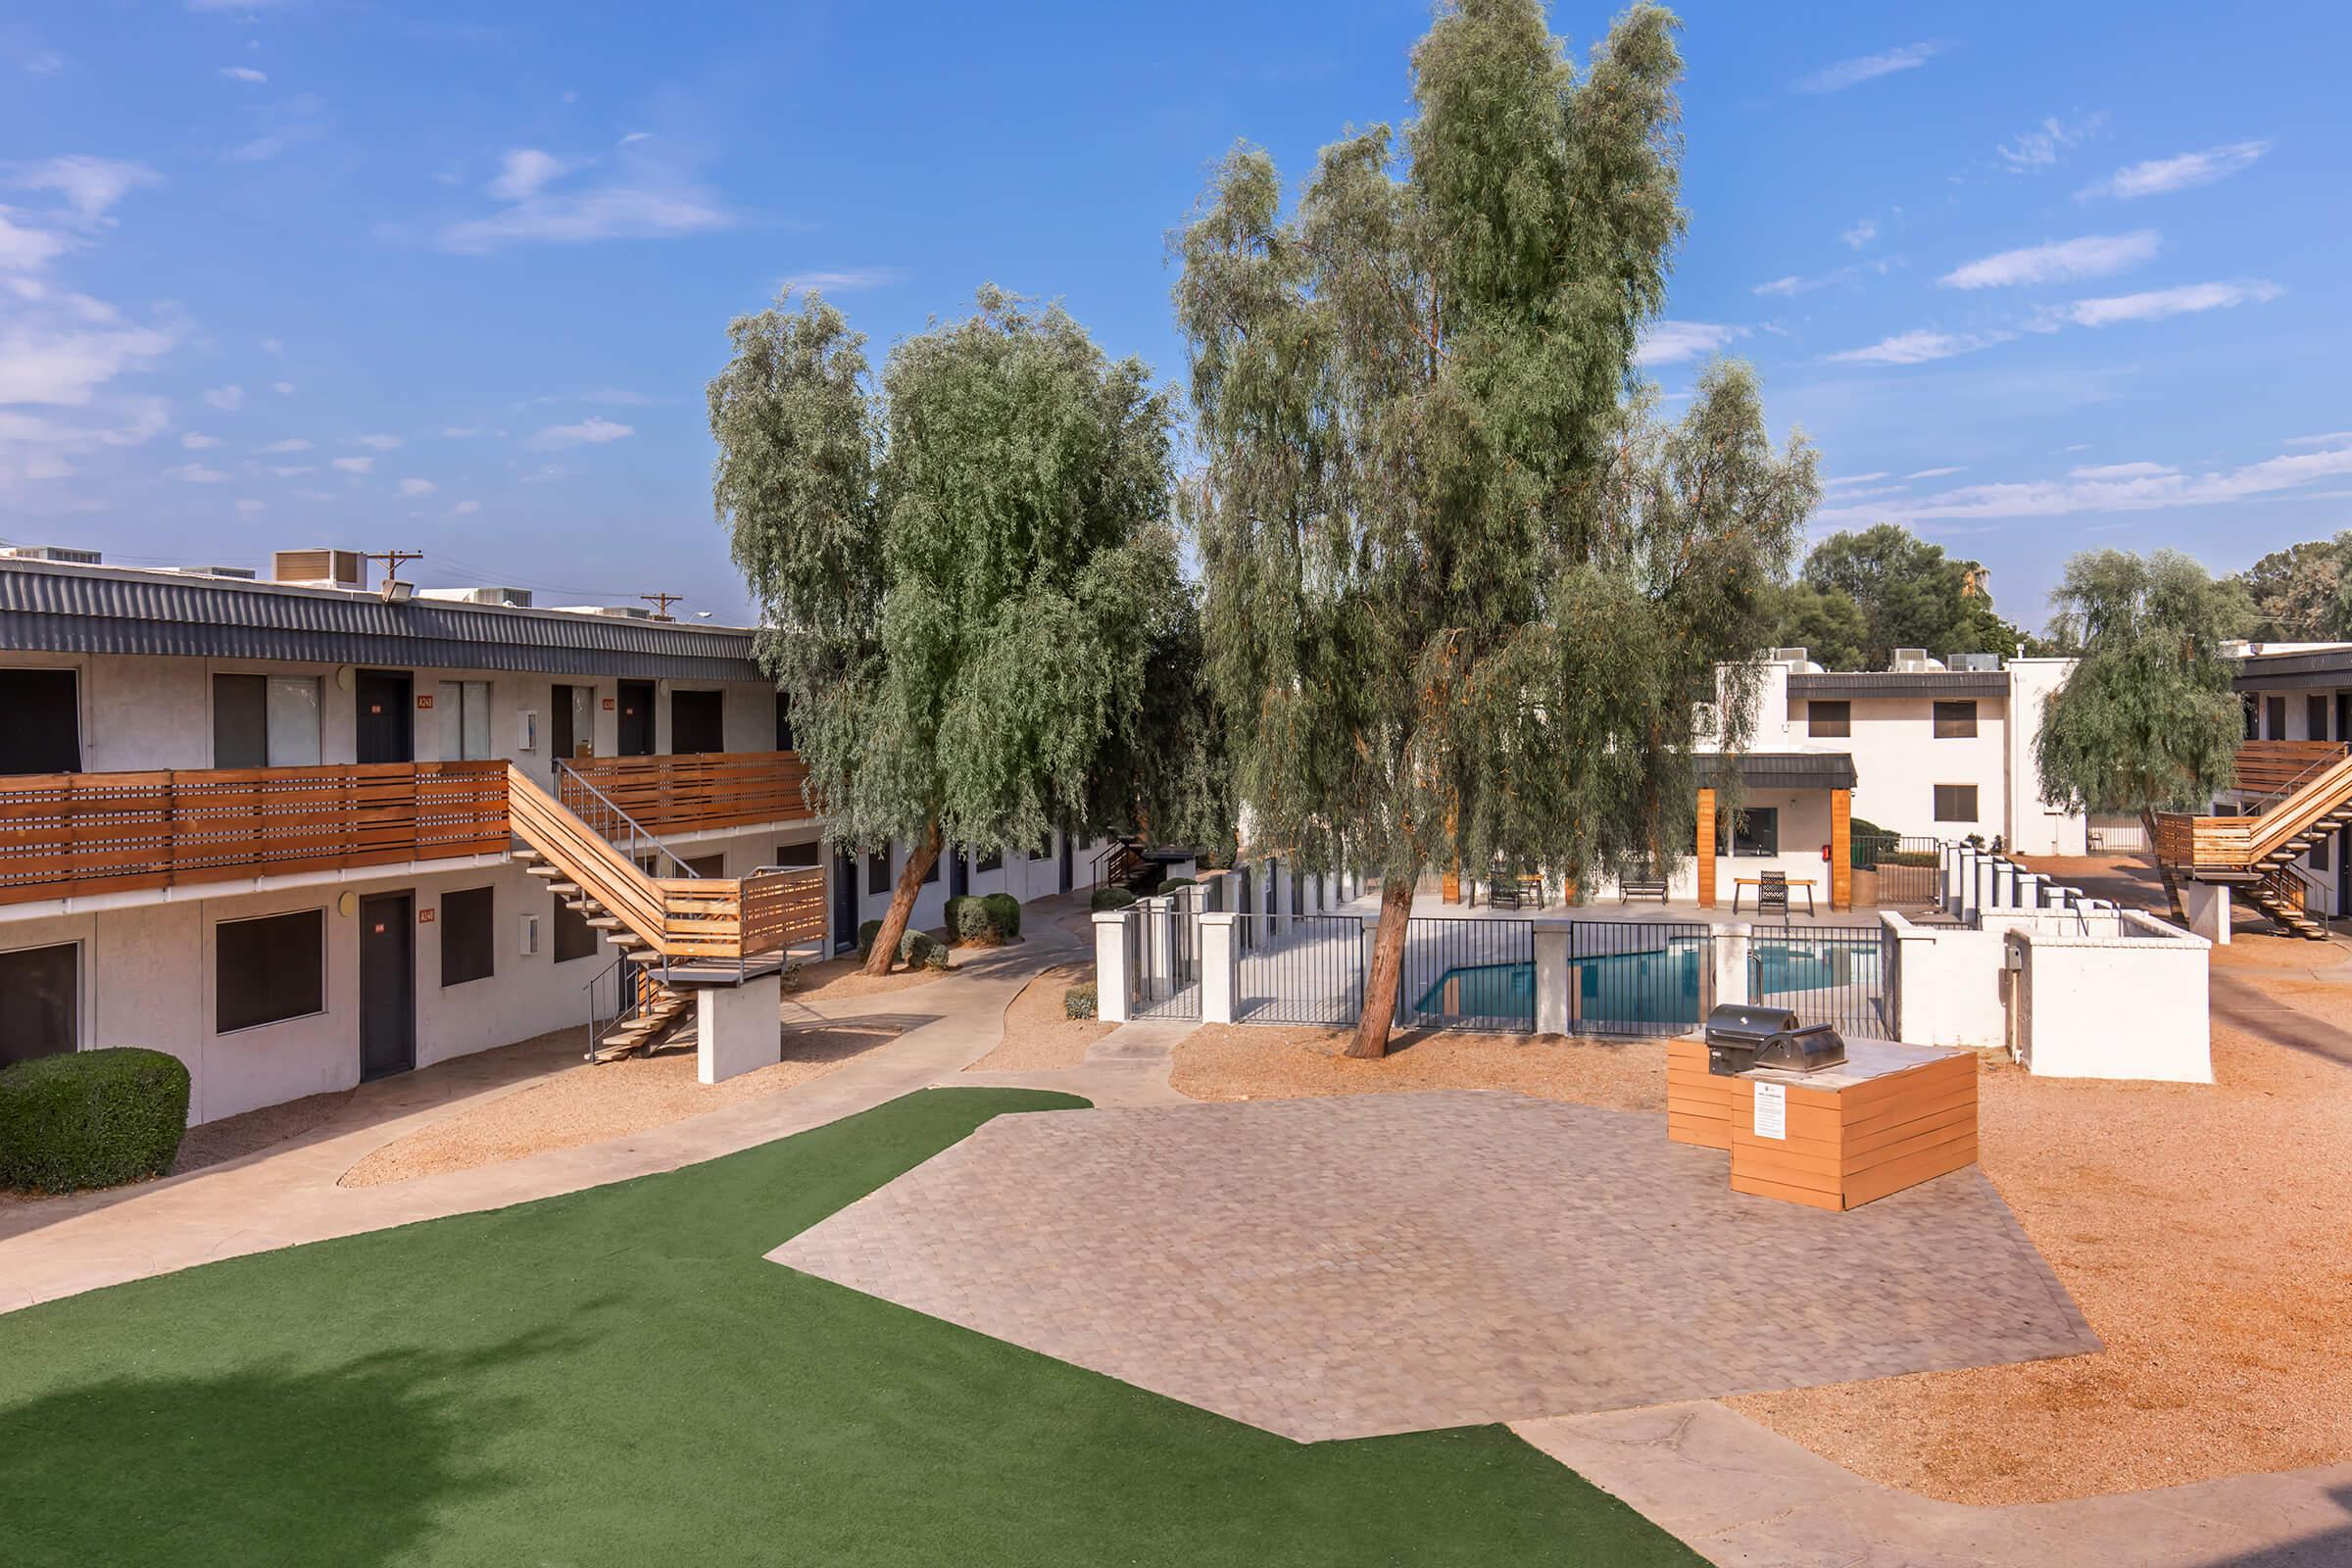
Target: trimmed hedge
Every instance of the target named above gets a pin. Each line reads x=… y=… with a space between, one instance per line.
x=868 y=930
x=1111 y=898
x=1079 y=1000
x=995 y=917
x=921 y=950
x=91 y=1118
x=1171 y=884
x=1005 y=912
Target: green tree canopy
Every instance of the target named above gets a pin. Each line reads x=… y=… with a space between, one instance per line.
x=1909 y=593
x=2147 y=721
x=1825 y=623
x=1462 y=602
x=2300 y=594
x=960 y=571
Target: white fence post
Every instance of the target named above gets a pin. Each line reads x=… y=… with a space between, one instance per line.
x=1114 y=947
x=1554 y=1011
x=1218 y=967
x=1730 y=955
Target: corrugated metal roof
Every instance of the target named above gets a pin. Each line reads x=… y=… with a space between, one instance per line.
x=48 y=608
x=1784 y=770
x=2329 y=666
x=1903 y=683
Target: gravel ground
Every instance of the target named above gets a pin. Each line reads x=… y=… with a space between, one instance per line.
x=1039 y=1037
x=215 y=1143
x=1253 y=1061
x=588 y=1104
x=2202 y=1230
x=838 y=978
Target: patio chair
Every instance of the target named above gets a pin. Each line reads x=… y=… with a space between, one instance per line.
x=1771 y=894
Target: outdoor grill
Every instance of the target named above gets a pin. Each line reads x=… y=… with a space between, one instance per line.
x=1740 y=1036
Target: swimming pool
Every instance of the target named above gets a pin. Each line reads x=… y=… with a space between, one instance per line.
x=1650 y=991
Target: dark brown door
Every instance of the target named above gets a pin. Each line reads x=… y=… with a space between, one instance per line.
x=697 y=722
x=387 y=729
x=636 y=718
x=42 y=730
x=387 y=984
x=560 y=737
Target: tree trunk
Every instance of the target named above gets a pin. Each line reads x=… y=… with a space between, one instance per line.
x=1370 y=1041
x=919 y=861
x=2164 y=869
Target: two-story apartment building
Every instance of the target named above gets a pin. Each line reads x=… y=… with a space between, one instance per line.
x=2298 y=713
x=300 y=833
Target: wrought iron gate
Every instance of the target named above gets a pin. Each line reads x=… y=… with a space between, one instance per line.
x=1832 y=974
x=1306 y=969
x=1166 y=947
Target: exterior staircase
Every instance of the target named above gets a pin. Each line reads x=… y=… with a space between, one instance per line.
x=2300 y=794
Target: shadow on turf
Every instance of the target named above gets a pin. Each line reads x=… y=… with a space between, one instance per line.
x=351 y=1464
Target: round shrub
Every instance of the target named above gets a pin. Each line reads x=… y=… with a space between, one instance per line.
x=921 y=950
x=1173 y=883
x=967 y=918
x=1079 y=1000
x=1005 y=913
x=868 y=930
x=1113 y=898
x=91 y=1118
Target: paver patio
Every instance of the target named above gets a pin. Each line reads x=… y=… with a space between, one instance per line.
x=1384 y=1263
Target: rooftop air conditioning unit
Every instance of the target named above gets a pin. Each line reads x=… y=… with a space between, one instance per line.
x=509 y=598
x=1791 y=656
x=1912 y=661
x=240 y=573
x=1979 y=661
x=624 y=612
x=59 y=553
x=320 y=568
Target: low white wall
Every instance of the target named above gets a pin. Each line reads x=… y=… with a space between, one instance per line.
x=1948 y=985
x=2127 y=1004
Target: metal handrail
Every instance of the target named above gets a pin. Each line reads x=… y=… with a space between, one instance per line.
x=2261 y=804
x=625 y=1000
x=566 y=775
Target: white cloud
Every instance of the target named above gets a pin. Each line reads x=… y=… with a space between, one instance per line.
x=523 y=172
x=464 y=508
x=293 y=471
x=2121 y=470
x=1861 y=233
x=2092 y=255
x=316 y=495
x=418 y=487
x=2160 y=303
x=356 y=465
x=1793 y=285
x=250 y=510
x=2332 y=438
x=284 y=389
x=244 y=74
x=460 y=432
x=227 y=399
x=2038 y=149
x=34 y=446
x=299 y=120
x=1866 y=68
x=28 y=250
x=89 y=185
x=843 y=281
x=2274 y=477
x=1932 y=473
x=635 y=137
x=41 y=62
x=1836 y=479
x=2159 y=175
x=195 y=442
x=381 y=443
x=1917 y=348
x=591 y=431
x=646 y=198
x=195 y=473
x=64 y=349
x=1671 y=342
x=291 y=444
x=271 y=345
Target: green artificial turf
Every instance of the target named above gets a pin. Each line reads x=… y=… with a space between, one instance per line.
x=616 y=1376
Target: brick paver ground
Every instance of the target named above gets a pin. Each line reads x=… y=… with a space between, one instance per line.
x=1377 y=1263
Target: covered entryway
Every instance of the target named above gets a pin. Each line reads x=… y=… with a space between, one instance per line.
x=1795 y=817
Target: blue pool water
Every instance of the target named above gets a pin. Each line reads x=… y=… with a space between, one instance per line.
x=1656 y=987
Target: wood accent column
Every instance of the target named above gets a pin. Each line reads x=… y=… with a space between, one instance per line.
x=1841 y=849
x=1706 y=849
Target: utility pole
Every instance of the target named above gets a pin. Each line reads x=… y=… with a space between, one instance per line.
x=662 y=604
x=392 y=560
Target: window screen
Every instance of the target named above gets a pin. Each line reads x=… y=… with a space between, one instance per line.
x=293 y=709
x=1956 y=803
x=466 y=950
x=1956 y=721
x=269 y=969
x=1828 y=720
x=574 y=937
x=43 y=1011
x=464 y=706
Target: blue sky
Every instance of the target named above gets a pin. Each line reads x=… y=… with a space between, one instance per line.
x=377 y=276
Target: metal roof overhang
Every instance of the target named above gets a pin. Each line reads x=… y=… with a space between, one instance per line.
x=2272 y=672
x=1901 y=683
x=1784 y=770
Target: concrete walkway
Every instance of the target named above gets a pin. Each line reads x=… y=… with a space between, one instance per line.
x=286 y=1195
x=1128 y=1066
x=1739 y=1493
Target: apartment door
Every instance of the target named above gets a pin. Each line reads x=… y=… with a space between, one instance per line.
x=697 y=722
x=387 y=727
x=959 y=872
x=844 y=902
x=572 y=722
x=41 y=732
x=387 y=984
x=1064 y=861
x=636 y=718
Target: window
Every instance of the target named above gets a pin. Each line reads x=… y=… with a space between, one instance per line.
x=696 y=722
x=1828 y=720
x=269 y=970
x=1758 y=831
x=1044 y=850
x=989 y=860
x=799 y=854
x=265 y=721
x=784 y=736
x=466 y=946
x=44 y=1015
x=2317 y=859
x=1956 y=721
x=708 y=864
x=1956 y=803
x=575 y=937
x=877 y=871
x=2253 y=717
x=2275 y=709
x=464 y=706
x=43 y=732
x=2315 y=718
x=931 y=871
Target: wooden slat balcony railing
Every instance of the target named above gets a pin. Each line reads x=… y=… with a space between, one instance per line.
x=65 y=834
x=2265 y=768
x=690 y=794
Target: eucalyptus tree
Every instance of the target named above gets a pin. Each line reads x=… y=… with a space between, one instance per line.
x=959 y=568
x=1462 y=600
x=2147 y=721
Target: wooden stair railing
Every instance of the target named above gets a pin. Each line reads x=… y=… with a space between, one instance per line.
x=2308 y=796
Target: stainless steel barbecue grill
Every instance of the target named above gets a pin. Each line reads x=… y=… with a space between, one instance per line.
x=1740 y=1036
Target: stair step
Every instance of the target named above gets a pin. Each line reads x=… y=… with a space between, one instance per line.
x=604 y=922
x=564 y=890
x=525 y=856
x=545 y=873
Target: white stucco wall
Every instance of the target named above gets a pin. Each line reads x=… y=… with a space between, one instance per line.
x=2112 y=1005
x=2036 y=825
x=1950 y=991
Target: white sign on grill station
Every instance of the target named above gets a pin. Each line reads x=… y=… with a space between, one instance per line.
x=1772 y=1110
